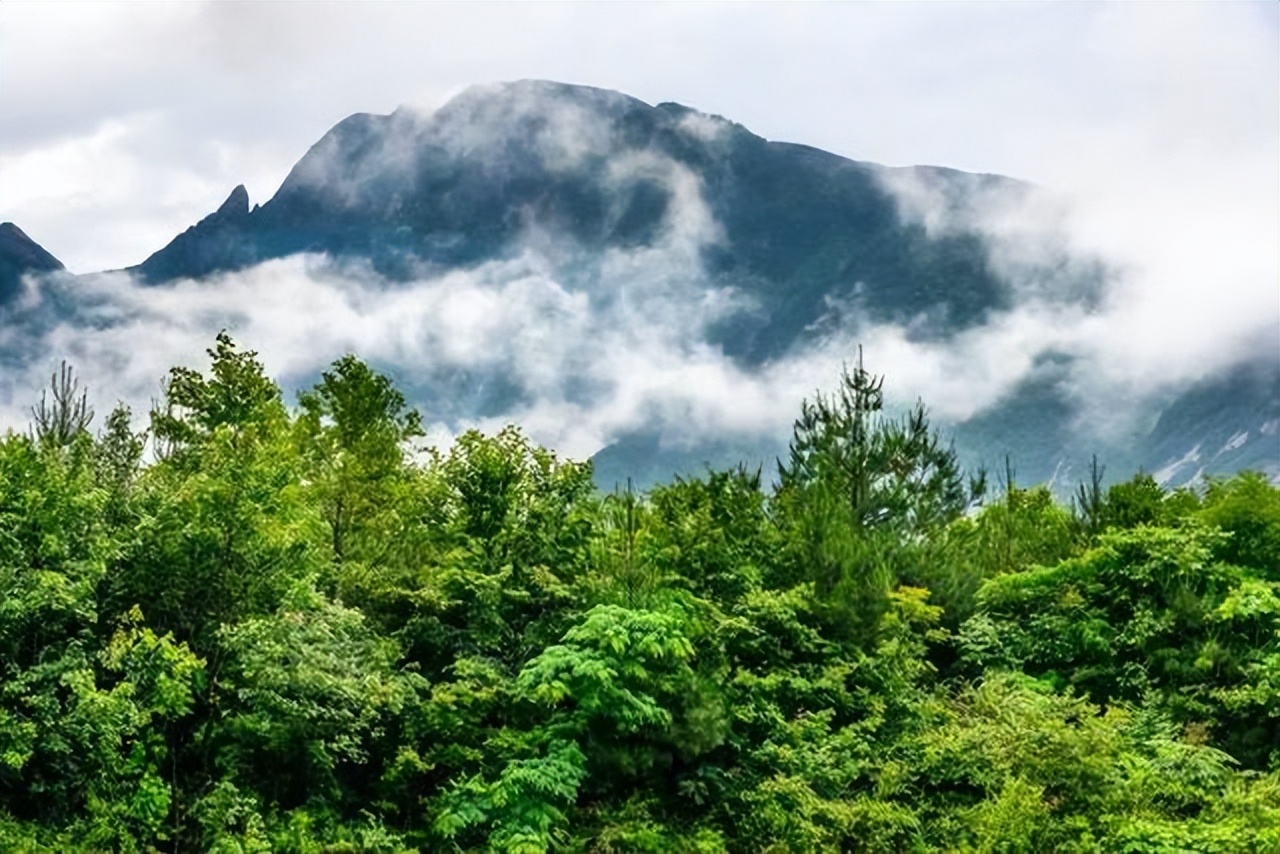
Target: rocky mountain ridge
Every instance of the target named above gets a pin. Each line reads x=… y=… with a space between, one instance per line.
x=807 y=245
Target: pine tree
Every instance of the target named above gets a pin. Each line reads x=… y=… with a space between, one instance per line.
x=59 y=420
x=858 y=486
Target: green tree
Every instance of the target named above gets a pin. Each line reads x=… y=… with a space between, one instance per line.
x=227 y=528
x=285 y=634
x=508 y=536
x=354 y=427
x=1248 y=508
x=85 y=695
x=309 y=689
x=1138 y=501
x=118 y=464
x=857 y=488
x=1025 y=528
x=1146 y=616
x=63 y=412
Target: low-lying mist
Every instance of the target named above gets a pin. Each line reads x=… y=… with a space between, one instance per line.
x=581 y=351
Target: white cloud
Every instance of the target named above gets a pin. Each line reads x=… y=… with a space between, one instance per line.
x=79 y=185
x=1155 y=126
x=582 y=371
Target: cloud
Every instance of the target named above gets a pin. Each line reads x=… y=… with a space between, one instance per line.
x=1152 y=132
x=1159 y=171
x=1072 y=96
x=80 y=184
x=533 y=339
x=579 y=349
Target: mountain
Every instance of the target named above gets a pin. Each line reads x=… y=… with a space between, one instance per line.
x=1222 y=424
x=688 y=230
x=20 y=255
x=798 y=229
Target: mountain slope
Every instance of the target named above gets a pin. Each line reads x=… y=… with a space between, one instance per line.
x=670 y=238
x=792 y=228
x=1223 y=424
x=20 y=255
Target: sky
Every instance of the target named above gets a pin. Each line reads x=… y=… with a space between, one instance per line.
x=121 y=124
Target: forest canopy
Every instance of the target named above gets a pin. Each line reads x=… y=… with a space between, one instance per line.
x=257 y=627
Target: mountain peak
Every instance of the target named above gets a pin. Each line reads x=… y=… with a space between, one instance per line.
x=16 y=246
x=536 y=90
x=600 y=170
x=235 y=208
x=205 y=246
x=19 y=254
x=236 y=205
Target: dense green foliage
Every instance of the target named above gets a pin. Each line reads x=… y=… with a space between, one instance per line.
x=291 y=631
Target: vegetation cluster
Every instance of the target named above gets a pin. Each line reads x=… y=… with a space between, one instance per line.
x=288 y=630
